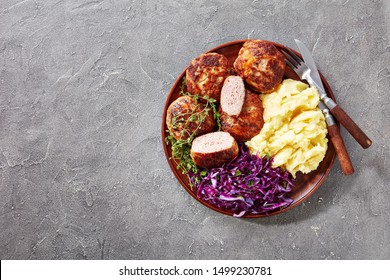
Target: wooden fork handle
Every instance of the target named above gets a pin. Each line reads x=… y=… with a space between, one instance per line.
x=341 y=151
x=351 y=126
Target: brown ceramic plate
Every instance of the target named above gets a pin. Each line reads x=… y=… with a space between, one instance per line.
x=305 y=184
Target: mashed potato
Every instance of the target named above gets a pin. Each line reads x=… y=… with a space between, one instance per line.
x=294 y=130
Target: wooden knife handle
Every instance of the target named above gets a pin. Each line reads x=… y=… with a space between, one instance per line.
x=351 y=126
x=341 y=151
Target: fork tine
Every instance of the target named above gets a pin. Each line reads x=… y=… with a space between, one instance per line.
x=290 y=59
x=290 y=64
x=297 y=58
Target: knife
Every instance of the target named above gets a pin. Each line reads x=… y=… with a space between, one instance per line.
x=333 y=129
x=334 y=108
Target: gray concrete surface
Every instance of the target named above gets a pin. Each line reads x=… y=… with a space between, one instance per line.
x=82 y=169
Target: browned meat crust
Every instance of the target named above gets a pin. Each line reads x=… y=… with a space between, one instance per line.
x=248 y=123
x=261 y=65
x=205 y=75
x=183 y=118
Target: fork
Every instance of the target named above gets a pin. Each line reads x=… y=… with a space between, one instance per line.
x=299 y=67
x=333 y=129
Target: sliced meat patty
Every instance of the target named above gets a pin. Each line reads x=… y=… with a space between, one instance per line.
x=186 y=116
x=214 y=149
x=232 y=95
x=261 y=65
x=205 y=75
x=248 y=123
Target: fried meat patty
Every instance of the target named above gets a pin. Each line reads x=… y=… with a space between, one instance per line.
x=261 y=65
x=205 y=75
x=248 y=123
x=214 y=149
x=186 y=116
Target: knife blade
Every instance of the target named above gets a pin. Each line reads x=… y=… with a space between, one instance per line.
x=309 y=61
x=314 y=79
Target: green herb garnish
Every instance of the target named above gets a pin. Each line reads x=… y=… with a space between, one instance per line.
x=181 y=148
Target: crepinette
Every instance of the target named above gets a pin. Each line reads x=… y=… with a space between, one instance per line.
x=214 y=149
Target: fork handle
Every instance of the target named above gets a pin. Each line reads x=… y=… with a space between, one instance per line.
x=351 y=126
x=341 y=151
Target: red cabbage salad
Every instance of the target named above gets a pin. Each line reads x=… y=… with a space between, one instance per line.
x=246 y=185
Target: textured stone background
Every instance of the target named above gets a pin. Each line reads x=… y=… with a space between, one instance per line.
x=82 y=169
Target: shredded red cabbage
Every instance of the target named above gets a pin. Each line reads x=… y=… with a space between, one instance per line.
x=246 y=185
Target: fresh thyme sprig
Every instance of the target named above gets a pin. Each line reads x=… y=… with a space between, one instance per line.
x=210 y=102
x=181 y=148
